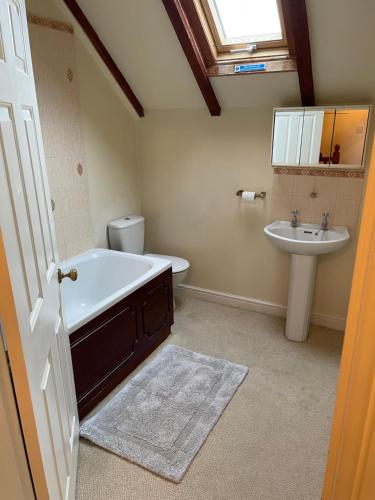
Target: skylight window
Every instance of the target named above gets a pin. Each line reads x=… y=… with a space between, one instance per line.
x=244 y=25
x=247 y=20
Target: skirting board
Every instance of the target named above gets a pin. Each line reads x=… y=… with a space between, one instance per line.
x=255 y=305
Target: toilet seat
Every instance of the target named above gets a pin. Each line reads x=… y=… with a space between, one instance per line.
x=179 y=265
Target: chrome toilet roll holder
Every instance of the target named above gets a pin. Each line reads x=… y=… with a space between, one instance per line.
x=262 y=194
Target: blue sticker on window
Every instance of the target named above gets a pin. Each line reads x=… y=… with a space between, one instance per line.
x=244 y=68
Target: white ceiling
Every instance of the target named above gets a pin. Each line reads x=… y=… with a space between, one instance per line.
x=142 y=41
x=140 y=38
x=342 y=37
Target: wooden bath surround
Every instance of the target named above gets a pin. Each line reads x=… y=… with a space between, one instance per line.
x=106 y=349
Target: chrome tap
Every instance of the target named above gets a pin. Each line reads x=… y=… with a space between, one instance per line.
x=324 y=224
x=294 y=221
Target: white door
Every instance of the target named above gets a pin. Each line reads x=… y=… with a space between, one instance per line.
x=287 y=134
x=311 y=137
x=30 y=247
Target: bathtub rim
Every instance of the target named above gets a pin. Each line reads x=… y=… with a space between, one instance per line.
x=158 y=267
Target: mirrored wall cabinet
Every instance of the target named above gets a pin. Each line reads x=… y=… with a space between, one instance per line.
x=324 y=137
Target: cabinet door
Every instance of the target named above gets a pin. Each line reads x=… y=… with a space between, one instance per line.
x=311 y=137
x=287 y=137
x=106 y=346
x=157 y=308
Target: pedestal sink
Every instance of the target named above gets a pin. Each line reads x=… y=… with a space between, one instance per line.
x=305 y=243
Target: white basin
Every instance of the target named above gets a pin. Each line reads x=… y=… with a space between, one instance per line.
x=305 y=243
x=306 y=239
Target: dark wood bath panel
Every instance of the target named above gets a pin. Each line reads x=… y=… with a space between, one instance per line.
x=109 y=347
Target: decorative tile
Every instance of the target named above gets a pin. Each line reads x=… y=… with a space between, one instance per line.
x=49 y=23
x=62 y=252
x=303 y=205
x=71 y=225
x=78 y=169
x=79 y=202
x=73 y=249
x=59 y=172
x=281 y=206
x=69 y=74
x=326 y=186
x=350 y=189
x=59 y=229
x=62 y=197
x=58 y=99
x=319 y=206
x=282 y=184
x=358 y=174
x=303 y=185
x=347 y=213
x=87 y=244
x=337 y=192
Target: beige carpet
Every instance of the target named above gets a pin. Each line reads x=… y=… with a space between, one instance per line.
x=271 y=441
x=163 y=415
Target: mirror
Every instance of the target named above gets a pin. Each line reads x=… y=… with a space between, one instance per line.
x=349 y=136
x=317 y=134
x=287 y=136
x=312 y=137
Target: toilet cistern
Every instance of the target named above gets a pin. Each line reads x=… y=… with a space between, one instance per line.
x=126 y=234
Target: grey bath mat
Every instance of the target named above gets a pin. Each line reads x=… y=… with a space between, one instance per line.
x=161 y=418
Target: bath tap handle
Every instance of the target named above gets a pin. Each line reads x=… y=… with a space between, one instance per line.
x=72 y=274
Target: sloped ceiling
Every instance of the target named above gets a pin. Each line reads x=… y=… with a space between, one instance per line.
x=140 y=38
x=142 y=41
x=342 y=36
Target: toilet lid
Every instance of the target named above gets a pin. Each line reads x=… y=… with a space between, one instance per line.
x=178 y=264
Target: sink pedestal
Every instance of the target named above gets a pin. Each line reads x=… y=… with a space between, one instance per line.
x=301 y=292
x=304 y=242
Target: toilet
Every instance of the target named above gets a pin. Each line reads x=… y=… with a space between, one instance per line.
x=127 y=235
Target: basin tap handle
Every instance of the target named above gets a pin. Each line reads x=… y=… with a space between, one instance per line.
x=294 y=221
x=324 y=224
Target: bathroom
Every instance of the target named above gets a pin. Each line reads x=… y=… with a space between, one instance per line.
x=180 y=168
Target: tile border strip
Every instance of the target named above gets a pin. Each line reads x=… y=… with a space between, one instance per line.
x=49 y=23
x=353 y=174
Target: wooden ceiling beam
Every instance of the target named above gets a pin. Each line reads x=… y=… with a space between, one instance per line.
x=184 y=33
x=195 y=22
x=82 y=20
x=297 y=34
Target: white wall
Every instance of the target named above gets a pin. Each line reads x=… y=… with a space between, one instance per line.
x=192 y=165
x=109 y=137
x=108 y=131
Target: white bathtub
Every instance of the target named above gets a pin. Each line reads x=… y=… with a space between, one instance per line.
x=104 y=278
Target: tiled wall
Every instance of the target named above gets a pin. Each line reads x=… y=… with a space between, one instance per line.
x=53 y=55
x=340 y=196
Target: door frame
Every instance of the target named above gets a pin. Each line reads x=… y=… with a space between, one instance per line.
x=351 y=459
x=19 y=375
x=15 y=479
